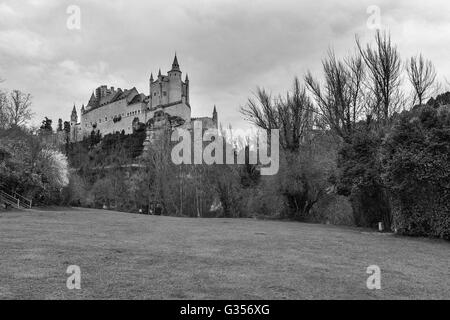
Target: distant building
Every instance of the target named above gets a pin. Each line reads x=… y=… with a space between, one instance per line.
x=111 y=110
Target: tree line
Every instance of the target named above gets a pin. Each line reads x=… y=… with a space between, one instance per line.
x=362 y=102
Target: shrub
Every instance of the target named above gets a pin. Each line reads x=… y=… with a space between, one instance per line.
x=416 y=164
x=359 y=178
x=333 y=209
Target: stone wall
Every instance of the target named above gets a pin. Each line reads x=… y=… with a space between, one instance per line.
x=104 y=116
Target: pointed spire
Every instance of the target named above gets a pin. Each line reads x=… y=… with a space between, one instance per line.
x=214 y=117
x=187 y=78
x=159 y=73
x=175 y=65
x=74 y=116
x=151 y=76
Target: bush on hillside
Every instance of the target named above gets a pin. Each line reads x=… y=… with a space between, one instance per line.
x=416 y=164
x=333 y=209
x=359 y=178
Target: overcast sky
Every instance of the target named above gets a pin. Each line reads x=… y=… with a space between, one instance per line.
x=227 y=47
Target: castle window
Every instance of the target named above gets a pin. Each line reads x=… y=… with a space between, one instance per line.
x=154 y=94
x=164 y=93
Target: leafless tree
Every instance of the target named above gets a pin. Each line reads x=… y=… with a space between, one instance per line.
x=262 y=112
x=340 y=98
x=292 y=115
x=422 y=75
x=19 y=108
x=384 y=75
x=3 y=111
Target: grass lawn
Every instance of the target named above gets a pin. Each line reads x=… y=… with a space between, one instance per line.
x=128 y=256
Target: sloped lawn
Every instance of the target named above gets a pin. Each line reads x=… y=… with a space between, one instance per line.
x=128 y=256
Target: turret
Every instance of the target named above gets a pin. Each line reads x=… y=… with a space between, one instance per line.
x=175 y=72
x=175 y=65
x=214 y=117
x=150 y=86
x=74 y=115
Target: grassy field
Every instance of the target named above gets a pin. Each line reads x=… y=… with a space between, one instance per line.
x=128 y=256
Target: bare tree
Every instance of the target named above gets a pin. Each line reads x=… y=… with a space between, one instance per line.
x=422 y=75
x=262 y=112
x=340 y=98
x=292 y=115
x=19 y=108
x=384 y=75
x=3 y=111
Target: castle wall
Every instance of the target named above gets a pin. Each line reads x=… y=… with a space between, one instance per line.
x=181 y=110
x=104 y=118
x=207 y=123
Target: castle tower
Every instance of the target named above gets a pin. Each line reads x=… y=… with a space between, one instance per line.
x=74 y=116
x=170 y=93
x=175 y=88
x=73 y=122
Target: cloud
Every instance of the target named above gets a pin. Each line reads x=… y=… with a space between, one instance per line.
x=227 y=47
x=7 y=12
x=23 y=44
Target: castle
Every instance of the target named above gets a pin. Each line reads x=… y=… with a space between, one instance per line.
x=111 y=110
